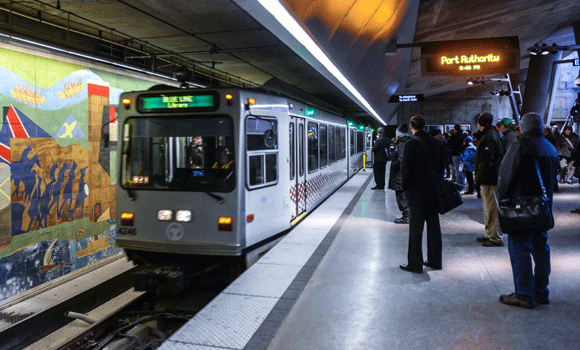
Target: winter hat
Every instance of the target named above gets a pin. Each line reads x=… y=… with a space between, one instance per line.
x=468 y=139
x=402 y=130
x=532 y=121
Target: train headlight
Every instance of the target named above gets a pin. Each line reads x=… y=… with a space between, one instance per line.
x=225 y=223
x=183 y=215
x=164 y=215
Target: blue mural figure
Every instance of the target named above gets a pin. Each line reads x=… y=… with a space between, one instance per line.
x=81 y=195
x=67 y=194
x=34 y=206
x=21 y=172
x=17 y=212
x=56 y=189
x=46 y=196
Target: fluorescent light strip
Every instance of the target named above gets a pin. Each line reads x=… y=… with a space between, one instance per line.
x=279 y=12
x=96 y=59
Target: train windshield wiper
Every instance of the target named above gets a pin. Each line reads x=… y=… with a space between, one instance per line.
x=215 y=196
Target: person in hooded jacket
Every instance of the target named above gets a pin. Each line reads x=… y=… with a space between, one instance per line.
x=518 y=177
x=566 y=144
x=395 y=178
x=467 y=157
x=509 y=133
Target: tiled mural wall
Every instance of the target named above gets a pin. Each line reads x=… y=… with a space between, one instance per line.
x=57 y=178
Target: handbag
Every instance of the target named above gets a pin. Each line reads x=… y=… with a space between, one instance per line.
x=447 y=193
x=526 y=214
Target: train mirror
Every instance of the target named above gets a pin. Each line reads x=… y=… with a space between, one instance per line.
x=269 y=138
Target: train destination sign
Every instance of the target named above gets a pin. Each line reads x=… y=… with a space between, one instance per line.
x=471 y=57
x=406 y=98
x=177 y=102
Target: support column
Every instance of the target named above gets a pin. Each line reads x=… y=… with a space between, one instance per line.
x=538 y=82
x=576 y=26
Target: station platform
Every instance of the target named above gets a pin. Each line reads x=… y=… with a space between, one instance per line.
x=334 y=283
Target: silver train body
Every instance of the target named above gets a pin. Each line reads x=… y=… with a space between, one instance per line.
x=225 y=177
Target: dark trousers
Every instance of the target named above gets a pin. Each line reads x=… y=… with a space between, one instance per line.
x=528 y=281
x=470 y=184
x=419 y=214
x=379 y=169
x=403 y=203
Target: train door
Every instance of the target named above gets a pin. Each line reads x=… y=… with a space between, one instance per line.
x=352 y=151
x=298 y=163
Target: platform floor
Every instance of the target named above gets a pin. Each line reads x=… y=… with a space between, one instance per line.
x=358 y=298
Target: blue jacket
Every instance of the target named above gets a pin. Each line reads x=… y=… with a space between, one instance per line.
x=467 y=157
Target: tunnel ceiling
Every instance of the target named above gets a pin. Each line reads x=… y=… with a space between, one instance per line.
x=226 y=46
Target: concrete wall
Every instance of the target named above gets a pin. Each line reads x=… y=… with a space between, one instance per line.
x=459 y=107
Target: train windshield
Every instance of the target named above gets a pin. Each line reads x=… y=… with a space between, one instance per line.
x=176 y=153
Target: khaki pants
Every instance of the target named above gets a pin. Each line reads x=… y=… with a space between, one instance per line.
x=490 y=215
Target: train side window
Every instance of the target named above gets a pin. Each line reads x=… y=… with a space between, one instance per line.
x=323 y=146
x=360 y=141
x=312 y=147
x=342 y=143
x=301 y=150
x=262 y=151
x=331 y=147
x=292 y=168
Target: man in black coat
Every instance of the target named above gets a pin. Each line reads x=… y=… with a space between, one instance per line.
x=518 y=177
x=382 y=143
x=575 y=115
x=395 y=178
x=422 y=157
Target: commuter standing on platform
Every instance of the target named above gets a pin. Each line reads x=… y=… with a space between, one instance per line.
x=382 y=143
x=395 y=177
x=566 y=144
x=422 y=157
x=467 y=158
x=510 y=135
x=575 y=115
x=456 y=145
x=485 y=167
x=517 y=177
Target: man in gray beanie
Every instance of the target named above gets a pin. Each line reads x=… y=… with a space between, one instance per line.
x=518 y=177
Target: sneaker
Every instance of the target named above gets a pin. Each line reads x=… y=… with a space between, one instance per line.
x=541 y=300
x=490 y=243
x=402 y=220
x=515 y=301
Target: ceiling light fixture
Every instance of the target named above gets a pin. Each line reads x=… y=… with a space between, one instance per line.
x=277 y=10
x=553 y=49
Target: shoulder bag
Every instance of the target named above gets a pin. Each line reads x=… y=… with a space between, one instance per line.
x=526 y=214
x=446 y=192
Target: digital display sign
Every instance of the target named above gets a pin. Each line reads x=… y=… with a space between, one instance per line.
x=406 y=98
x=471 y=57
x=177 y=102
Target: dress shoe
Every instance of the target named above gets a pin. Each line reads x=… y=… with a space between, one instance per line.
x=428 y=264
x=402 y=220
x=512 y=299
x=541 y=300
x=482 y=239
x=407 y=268
x=577 y=211
x=491 y=243
x=377 y=188
x=469 y=192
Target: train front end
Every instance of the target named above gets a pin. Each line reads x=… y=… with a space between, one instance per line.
x=177 y=198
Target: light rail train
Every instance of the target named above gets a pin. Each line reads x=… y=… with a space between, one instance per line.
x=212 y=173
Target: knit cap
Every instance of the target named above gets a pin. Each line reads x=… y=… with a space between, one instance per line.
x=402 y=130
x=532 y=121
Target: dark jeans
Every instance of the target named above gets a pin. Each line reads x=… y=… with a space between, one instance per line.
x=379 y=169
x=418 y=215
x=402 y=202
x=470 y=184
x=526 y=281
